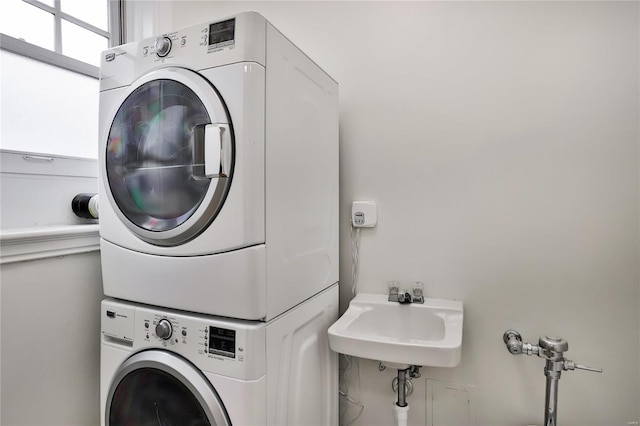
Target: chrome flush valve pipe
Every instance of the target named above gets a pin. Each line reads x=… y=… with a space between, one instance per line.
x=552 y=349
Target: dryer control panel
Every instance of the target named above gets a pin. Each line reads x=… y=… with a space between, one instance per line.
x=228 y=347
x=230 y=40
x=214 y=37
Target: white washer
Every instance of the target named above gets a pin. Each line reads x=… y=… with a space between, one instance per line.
x=161 y=366
x=218 y=171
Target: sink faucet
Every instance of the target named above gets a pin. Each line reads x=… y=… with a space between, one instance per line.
x=404 y=296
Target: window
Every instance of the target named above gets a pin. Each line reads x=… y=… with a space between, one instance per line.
x=50 y=52
x=76 y=30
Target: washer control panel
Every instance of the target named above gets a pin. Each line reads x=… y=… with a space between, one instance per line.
x=179 y=332
x=229 y=347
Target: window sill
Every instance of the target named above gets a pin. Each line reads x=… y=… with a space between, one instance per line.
x=19 y=245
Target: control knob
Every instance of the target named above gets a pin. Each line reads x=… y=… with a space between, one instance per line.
x=163 y=46
x=164 y=329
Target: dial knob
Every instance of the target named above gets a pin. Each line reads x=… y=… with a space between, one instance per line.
x=163 y=46
x=164 y=329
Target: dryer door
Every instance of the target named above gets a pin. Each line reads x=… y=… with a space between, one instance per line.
x=169 y=156
x=159 y=388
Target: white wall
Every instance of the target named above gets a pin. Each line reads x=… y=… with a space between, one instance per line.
x=51 y=341
x=140 y=21
x=500 y=141
x=50 y=292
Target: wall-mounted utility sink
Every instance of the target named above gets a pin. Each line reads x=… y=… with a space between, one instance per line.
x=428 y=334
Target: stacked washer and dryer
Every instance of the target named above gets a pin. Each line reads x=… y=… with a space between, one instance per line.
x=219 y=229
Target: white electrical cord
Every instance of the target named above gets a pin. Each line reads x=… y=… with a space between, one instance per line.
x=355 y=254
x=350 y=361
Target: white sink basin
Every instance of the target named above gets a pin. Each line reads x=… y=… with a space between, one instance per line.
x=428 y=334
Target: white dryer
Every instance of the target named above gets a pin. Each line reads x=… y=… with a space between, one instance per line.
x=164 y=367
x=218 y=171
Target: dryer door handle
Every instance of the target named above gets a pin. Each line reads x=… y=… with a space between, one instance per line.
x=213 y=146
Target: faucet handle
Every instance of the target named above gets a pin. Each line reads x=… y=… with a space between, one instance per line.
x=418 y=292
x=393 y=290
x=418 y=288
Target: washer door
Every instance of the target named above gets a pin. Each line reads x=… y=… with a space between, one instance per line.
x=169 y=156
x=160 y=388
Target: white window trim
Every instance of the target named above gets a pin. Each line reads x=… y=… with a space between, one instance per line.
x=115 y=35
x=41 y=54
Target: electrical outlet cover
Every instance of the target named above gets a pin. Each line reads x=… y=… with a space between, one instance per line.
x=364 y=214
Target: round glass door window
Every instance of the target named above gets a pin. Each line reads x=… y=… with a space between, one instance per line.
x=150 y=396
x=151 y=159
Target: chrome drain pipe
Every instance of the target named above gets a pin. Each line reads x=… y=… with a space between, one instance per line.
x=402 y=397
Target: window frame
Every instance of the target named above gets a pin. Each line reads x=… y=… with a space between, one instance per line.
x=114 y=35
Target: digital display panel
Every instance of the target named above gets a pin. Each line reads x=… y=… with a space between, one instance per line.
x=222 y=341
x=222 y=32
